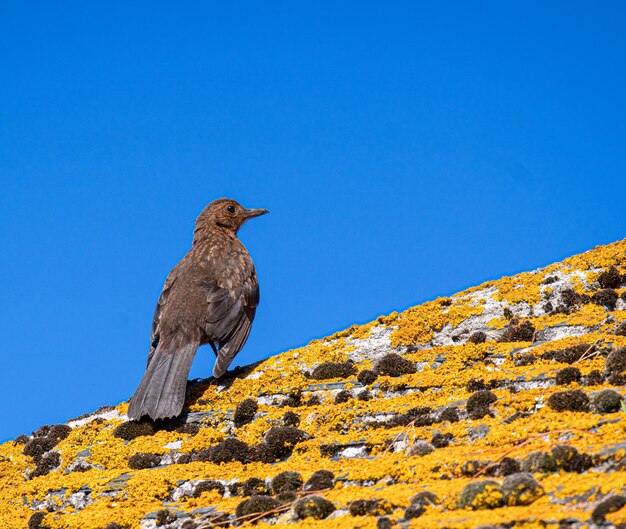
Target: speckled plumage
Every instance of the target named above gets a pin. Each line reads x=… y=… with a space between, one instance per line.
x=209 y=297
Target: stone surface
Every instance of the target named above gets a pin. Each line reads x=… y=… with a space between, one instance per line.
x=383 y=451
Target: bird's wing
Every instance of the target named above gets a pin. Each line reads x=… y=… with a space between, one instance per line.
x=158 y=313
x=229 y=317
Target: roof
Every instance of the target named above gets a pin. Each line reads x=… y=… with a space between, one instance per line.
x=500 y=404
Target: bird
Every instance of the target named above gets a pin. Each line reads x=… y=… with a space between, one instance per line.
x=209 y=297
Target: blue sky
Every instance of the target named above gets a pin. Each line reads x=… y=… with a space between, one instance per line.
x=405 y=151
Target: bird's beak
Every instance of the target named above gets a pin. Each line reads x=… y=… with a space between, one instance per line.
x=249 y=213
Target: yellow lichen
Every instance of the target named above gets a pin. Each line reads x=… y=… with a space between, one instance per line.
x=519 y=424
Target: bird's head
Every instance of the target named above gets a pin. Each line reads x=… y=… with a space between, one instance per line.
x=225 y=213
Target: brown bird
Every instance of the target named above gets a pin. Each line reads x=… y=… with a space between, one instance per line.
x=210 y=296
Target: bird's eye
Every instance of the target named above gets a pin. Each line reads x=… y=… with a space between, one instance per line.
x=230 y=208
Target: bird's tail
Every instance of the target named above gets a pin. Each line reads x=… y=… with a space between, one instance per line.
x=161 y=393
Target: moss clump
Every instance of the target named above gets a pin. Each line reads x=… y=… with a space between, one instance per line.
x=286 y=482
x=569 y=459
x=328 y=370
x=36 y=521
x=21 y=439
x=254 y=487
x=539 y=462
x=506 y=467
x=573 y=400
x=524 y=360
x=143 y=460
x=294 y=399
x=48 y=462
x=371 y=506
x=261 y=453
x=569 y=355
x=364 y=395
x=80 y=466
x=286 y=497
x=449 y=414
x=440 y=440
x=183 y=459
x=37 y=447
x=470 y=467
x=229 y=449
x=611 y=278
x=314 y=400
x=132 y=429
x=614 y=279
x=518 y=331
x=45 y=439
x=245 y=412
x=477 y=337
x=479 y=402
x=206 y=486
x=189 y=428
x=55 y=431
x=607 y=401
x=256 y=505
x=384 y=523
x=606 y=298
x=367 y=377
x=420 y=448
x=521 y=489
x=291 y=418
x=608 y=505
x=281 y=440
x=594 y=378
x=394 y=365
x=425 y=497
x=342 y=396
x=164 y=517
x=484 y=494
x=615 y=363
x=415 y=510
x=568 y=375
x=417 y=417
x=560 y=457
x=475 y=384
x=313 y=507
x=320 y=480
x=570 y=300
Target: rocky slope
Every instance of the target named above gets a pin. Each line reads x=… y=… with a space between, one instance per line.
x=500 y=405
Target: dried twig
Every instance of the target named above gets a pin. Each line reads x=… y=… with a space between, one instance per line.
x=497 y=462
x=525 y=441
x=410 y=426
x=593 y=353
